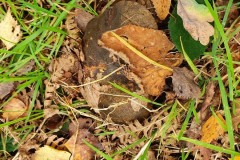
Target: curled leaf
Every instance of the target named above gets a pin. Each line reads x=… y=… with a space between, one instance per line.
x=154 y=45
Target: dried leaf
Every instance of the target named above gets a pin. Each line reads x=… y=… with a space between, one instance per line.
x=162 y=8
x=82 y=123
x=25 y=69
x=211 y=129
x=184 y=85
x=5 y=89
x=49 y=153
x=52 y=117
x=154 y=44
x=196 y=18
x=10 y=32
x=210 y=91
x=237 y=158
x=78 y=148
x=236 y=117
x=14 y=109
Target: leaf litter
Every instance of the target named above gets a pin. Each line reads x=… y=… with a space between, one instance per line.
x=78 y=88
x=10 y=32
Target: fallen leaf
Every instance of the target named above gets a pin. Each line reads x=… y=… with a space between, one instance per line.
x=14 y=109
x=183 y=83
x=82 y=123
x=236 y=117
x=236 y=158
x=5 y=89
x=211 y=129
x=154 y=44
x=52 y=117
x=196 y=18
x=49 y=153
x=162 y=8
x=181 y=38
x=78 y=148
x=10 y=32
x=25 y=69
x=210 y=91
x=100 y=63
x=205 y=110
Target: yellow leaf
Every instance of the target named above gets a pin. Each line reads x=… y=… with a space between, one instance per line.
x=10 y=32
x=14 y=109
x=211 y=129
x=162 y=8
x=49 y=153
x=237 y=158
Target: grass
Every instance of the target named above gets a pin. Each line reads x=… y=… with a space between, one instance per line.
x=44 y=33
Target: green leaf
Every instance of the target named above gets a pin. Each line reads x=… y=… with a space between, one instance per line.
x=193 y=48
x=8 y=143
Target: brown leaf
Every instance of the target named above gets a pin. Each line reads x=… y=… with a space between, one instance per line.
x=236 y=117
x=14 y=109
x=183 y=83
x=65 y=63
x=211 y=129
x=152 y=43
x=10 y=32
x=5 y=89
x=78 y=148
x=26 y=68
x=162 y=8
x=52 y=117
x=196 y=18
x=82 y=123
x=210 y=91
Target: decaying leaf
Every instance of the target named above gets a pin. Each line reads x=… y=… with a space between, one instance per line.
x=205 y=110
x=154 y=44
x=49 y=153
x=181 y=38
x=5 y=89
x=100 y=63
x=184 y=85
x=212 y=129
x=52 y=117
x=162 y=8
x=82 y=123
x=10 y=32
x=25 y=69
x=196 y=18
x=236 y=117
x=14 y=109
x=77 y=147
x=62 y=69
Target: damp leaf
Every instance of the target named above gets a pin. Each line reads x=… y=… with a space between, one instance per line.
x=146 y=52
